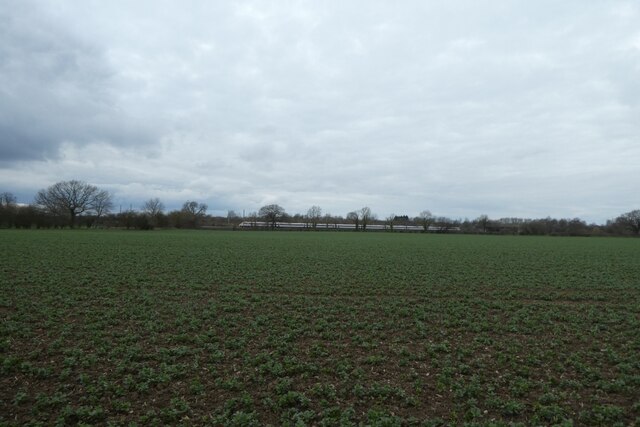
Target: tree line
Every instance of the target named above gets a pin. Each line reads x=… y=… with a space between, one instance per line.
x=78 y=204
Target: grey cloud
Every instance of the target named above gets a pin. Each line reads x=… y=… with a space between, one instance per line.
x=56 y=88
x=463 y=107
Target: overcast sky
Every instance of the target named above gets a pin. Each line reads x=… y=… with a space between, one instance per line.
x=506 y=108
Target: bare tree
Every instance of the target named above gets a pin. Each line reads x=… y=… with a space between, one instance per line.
x=153 y=207
x=193 y=212
x=103 y=204
x=365 y=217
x=153 y=210
x=426 y=219
x=73 y=198
x=313 y=215
x=631 y=220
x=8 y=209
x=194 y=208
x=253 y=219
x=326 y=219
x=390 y=220
x=483 y=222
x=355 y=218
x=446 y=224
x=272 y=213
x=7 y=199
x=232 y=216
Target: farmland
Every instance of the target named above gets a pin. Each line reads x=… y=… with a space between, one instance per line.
x=303 y=328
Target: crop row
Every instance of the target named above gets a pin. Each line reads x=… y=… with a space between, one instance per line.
x=319 y=329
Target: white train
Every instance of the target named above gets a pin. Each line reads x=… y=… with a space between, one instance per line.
x=331 y=226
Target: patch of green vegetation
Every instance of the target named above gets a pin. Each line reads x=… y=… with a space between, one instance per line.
x=304 y=328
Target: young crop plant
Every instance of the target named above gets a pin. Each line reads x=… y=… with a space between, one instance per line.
x=275 y=328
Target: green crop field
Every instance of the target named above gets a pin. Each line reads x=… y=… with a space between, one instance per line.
x=295 y=328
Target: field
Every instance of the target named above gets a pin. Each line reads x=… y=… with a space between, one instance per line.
x=295 y=328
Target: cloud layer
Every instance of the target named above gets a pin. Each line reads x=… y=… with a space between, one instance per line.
x=520 y=109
